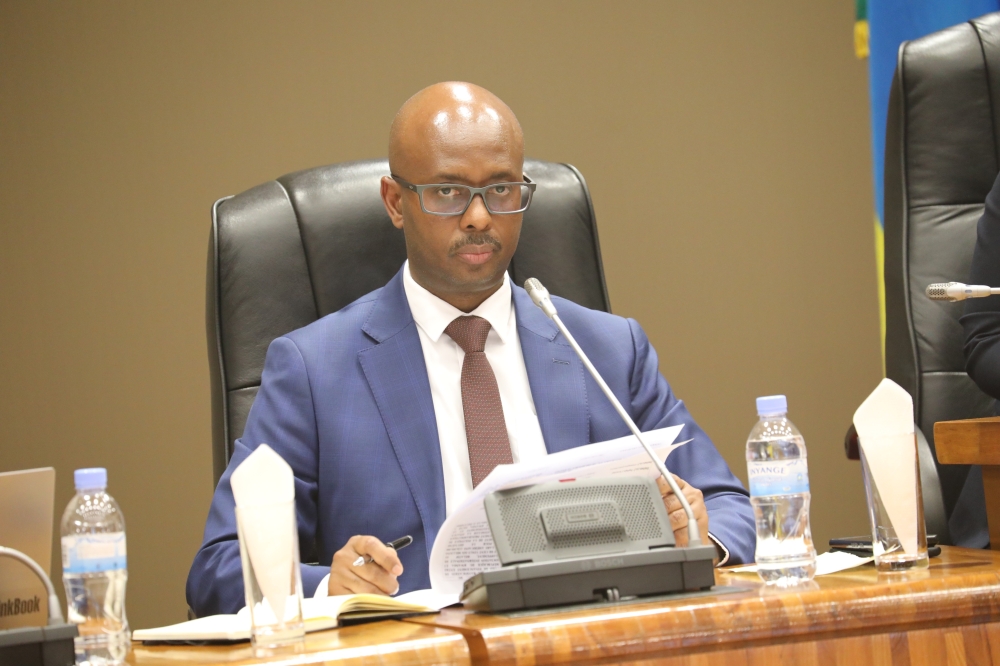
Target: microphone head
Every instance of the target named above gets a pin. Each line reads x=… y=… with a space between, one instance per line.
x=535 y=289
x=540 y=296
x=939 y=291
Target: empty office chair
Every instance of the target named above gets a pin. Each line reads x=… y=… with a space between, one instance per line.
x=285 y=253
x=942 y=156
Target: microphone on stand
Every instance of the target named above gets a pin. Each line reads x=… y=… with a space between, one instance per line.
x=956 y=291
x=540 y=296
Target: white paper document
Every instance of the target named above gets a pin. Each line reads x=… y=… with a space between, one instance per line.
x=827 y=563
x=464 y=545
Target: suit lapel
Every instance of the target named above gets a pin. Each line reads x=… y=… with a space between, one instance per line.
x=556 y=377
x=397 y=376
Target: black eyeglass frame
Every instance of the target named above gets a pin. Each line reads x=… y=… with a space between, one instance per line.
x=481 y=191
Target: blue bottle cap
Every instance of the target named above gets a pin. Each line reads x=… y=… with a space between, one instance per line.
x=91 y=477
x=772 y=405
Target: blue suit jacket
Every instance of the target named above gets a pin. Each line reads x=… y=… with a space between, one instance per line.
x=347 y=403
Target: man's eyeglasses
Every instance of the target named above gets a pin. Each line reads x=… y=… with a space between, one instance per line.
x=452 y=199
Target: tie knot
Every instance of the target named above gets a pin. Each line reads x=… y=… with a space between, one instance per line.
x=470 y=332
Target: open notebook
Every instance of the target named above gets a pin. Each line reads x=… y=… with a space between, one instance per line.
x=319 y=614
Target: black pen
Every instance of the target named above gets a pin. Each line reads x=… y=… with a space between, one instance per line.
x=398 y=544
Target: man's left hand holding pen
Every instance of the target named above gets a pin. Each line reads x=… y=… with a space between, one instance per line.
x=366 y=565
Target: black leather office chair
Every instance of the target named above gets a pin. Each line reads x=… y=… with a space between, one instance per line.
x=942 y=156
x=290 y=251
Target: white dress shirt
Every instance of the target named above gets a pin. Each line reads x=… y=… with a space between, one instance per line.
x=443 y=358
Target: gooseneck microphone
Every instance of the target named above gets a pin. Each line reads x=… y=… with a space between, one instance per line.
x=956 y=291
x=540 y=297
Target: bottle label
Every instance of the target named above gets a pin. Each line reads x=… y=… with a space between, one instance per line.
x=91 y=553
x=778 y=477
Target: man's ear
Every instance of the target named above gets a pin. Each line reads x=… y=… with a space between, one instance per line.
x=392 y=199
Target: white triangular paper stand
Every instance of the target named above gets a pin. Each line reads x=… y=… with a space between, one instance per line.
x=265 y=483
x=884 y=422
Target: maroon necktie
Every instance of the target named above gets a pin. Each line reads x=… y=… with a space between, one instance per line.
x=485 y=429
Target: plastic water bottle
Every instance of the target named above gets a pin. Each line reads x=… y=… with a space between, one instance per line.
x=779 y=493
x=94 y=573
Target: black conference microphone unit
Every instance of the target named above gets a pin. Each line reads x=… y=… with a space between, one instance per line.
x=956 y=291
x=578 y=541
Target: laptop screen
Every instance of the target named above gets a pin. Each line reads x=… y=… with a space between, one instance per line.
x=26 y=525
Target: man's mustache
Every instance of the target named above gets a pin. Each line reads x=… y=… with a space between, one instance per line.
x=476 y=239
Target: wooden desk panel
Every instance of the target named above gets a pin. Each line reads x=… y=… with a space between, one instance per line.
x=973 y=645
x=385 y=643
x=975 y=442
x=948 y=614
x=968 y=442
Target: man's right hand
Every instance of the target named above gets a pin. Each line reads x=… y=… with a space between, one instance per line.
x=378 y=574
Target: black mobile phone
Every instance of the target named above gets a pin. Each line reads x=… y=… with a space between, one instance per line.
x=862 y=545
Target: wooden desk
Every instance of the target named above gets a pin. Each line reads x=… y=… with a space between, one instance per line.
x=947 y=615
x=383 y=643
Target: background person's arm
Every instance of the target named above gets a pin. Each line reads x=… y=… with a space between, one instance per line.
x=982 y=315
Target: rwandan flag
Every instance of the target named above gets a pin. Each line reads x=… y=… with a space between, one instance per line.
x=880 y=27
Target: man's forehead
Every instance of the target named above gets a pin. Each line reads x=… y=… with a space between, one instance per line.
x=471 y=149
x=460 y=127
x=469 y=165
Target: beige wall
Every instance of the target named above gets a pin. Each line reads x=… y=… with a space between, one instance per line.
x=726 y=145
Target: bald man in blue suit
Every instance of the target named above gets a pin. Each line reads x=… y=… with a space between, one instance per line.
x=362 y=403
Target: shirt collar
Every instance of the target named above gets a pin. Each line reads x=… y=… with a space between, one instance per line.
x=433 y=314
